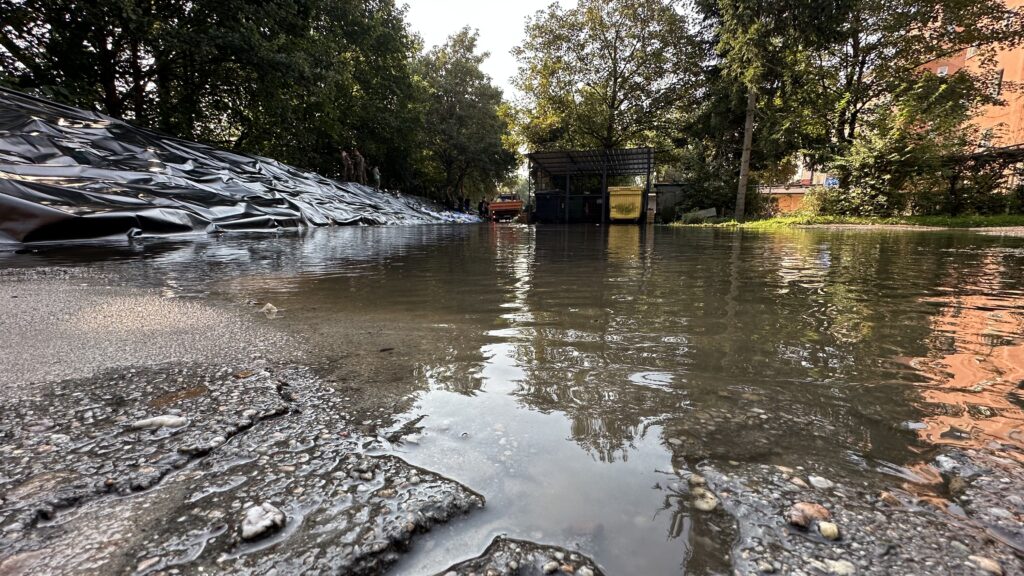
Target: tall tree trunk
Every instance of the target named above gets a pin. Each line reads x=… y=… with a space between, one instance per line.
x=748 y=143
x=138 y=85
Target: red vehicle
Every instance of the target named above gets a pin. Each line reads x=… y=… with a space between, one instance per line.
x=505 y=208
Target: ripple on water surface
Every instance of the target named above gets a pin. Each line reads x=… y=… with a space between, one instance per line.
x=569 y=374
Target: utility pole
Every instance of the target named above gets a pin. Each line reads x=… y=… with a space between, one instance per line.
x=748 y=143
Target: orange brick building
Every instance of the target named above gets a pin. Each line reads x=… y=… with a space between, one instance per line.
x=1001 y=125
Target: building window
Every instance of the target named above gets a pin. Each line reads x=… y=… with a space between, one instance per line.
x=943 y=71
x=997 y=86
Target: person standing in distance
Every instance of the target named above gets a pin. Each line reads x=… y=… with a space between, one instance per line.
x=360 y=166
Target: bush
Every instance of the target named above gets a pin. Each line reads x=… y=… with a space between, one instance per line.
x=917 y=155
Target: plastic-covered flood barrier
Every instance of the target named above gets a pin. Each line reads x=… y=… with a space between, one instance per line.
x=70 y=174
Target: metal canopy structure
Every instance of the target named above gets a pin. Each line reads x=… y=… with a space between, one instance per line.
x=603 y=163
x=614 y=162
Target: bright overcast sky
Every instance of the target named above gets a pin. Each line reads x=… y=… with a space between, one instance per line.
x=500 y=23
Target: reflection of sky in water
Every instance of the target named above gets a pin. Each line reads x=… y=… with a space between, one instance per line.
x=651 y=378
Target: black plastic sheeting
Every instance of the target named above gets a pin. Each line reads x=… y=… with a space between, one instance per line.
x=68 y=174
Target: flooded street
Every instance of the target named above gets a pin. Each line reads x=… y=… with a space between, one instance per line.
x=576 y=378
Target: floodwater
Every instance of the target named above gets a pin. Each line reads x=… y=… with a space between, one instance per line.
x=569 y=373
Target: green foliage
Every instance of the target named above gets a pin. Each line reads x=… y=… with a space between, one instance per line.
x=839 y=83
x=297 y=80
x=911 y=154
x=464 y=147
x=880 y=45
x=605 y=74
x=765 y=47
x=806 y=219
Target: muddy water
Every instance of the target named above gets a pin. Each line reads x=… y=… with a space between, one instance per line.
x=569 y=374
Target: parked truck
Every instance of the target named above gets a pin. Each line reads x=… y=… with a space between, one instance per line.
x=507 y=207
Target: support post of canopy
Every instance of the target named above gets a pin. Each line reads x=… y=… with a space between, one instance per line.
x=568 y=191
x=647 y=187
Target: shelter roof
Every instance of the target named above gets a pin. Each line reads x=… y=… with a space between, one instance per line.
x=613 y=162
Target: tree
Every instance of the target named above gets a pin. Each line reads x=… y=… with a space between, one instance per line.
x=464 y=150
x=764 y=46
x=878 y=47
x=607 y=73
x=295 y=79
x=917 y=153
x=756 y=75
x=836 y=63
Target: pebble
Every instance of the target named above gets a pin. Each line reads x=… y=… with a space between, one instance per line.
x=765 y=567
x=820 y=483
x=829 y=530
x=261 y=520
x=798 y=481
x=804 y=513
x=167 y=421
x=957 y=485
x=584 y=571
x=987 y=564
x=840 y=567
x=147 y=564
x=960 y=547
x=945 y=463
x=890 y=499
x=704 y=500
x=550 y=567
x=697 y=480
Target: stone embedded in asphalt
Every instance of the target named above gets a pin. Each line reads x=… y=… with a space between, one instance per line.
x=987 y=564
x=820 y=483
x=703 y=499
x=165 y=421
x=840 y=567
x=550 y=567
x=803 y=514
x=829 y=530
x=890 y=499
x=945 y=463
x=957 y=485
x=261 y=520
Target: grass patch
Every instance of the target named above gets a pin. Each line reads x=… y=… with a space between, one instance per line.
x=792 y=221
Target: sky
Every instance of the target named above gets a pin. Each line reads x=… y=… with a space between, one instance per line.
x=500 y=23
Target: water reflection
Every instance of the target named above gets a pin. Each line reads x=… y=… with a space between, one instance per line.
x=564 y=372
x=975 y=367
